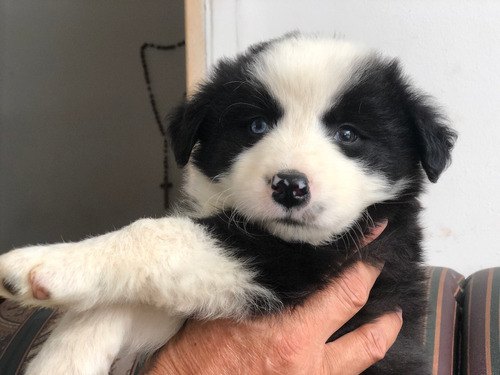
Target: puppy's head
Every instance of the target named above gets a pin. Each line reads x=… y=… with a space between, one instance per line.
x=302 y=134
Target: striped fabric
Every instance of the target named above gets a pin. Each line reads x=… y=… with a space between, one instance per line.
x=23 y=330
x=441 y=323
x=481 y=324
x=463 y=325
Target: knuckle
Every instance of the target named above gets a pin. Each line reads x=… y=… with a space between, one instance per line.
x=374 y=343
x=285 y=351
x=353 y=292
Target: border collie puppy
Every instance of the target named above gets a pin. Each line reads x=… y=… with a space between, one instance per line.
x=292 y=151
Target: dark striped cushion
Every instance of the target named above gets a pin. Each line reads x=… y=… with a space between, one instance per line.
x=23 y=330
x=441 y=323
x=481 y=324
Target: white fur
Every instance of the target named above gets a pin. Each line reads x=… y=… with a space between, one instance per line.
x=335 y=202
x=305 y=77
x=87 y=342
x=150 y=262
x=129 y=289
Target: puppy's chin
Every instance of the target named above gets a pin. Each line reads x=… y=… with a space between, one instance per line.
x=291 y=230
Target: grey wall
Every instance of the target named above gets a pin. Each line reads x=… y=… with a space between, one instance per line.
x=80 y=153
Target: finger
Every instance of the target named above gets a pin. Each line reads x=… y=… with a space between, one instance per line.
x=374 y=233
x=356 y=351
x=328 y=310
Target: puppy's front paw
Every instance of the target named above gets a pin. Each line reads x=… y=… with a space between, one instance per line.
x=14 y=286
x=40 y=275
x=15 y=273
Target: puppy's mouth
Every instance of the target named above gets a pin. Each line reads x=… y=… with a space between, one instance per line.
x=291 y=222
x=302 y=217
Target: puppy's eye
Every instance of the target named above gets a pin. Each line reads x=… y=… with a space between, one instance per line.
x=259 y=126
x=346 y=134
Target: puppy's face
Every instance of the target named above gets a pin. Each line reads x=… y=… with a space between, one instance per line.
x=303 y=134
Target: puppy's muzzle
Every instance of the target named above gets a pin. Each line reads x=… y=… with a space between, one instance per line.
x=290 y=189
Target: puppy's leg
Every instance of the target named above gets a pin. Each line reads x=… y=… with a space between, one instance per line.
x=171 y=263
x=86 y=343
x=81 y=343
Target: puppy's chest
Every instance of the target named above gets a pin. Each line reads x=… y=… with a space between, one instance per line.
x=291 y=270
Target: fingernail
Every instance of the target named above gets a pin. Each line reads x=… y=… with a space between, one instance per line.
x=382 y=223
x=399 y=312
x=375 y=231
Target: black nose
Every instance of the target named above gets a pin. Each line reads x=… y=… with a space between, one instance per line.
x=290 y=188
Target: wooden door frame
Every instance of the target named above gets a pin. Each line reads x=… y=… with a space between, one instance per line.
x=196 y=49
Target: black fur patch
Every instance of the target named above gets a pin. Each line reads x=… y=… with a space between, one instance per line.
x=399 y=129
x=10 y=286
x=218 y=118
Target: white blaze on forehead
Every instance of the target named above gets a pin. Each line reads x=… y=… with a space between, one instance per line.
x=307 y=72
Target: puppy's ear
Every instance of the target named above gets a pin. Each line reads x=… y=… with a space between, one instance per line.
x=184 y=127
x=435 y=139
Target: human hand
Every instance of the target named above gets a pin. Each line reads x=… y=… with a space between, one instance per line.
x=290 y=343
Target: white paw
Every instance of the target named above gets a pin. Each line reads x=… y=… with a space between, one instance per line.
x=15 y=272
x=42 y=275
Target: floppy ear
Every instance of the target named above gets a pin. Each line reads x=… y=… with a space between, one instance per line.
x=183 y=129
x=435 y=139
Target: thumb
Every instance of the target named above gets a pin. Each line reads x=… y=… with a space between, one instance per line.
x=374 y=233
x=357 y=350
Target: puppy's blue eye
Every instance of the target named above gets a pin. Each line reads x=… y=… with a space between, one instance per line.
x=346 y=134
x=259 y=126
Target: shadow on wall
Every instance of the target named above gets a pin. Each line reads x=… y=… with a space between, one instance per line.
x=81 y=153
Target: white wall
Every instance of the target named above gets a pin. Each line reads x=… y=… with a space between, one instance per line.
x=451 y=49
x=80 y=152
